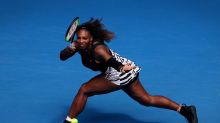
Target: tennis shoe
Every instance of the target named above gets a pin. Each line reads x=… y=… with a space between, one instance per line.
x=189 y=112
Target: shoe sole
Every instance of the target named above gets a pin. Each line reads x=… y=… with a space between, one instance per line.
x=193 y=109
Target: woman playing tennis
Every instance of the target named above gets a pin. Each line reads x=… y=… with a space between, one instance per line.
x=117 y=73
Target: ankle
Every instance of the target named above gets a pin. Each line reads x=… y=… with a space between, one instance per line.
x=184 y=109
x=179 y=108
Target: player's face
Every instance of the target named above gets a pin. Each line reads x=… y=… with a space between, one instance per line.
x=84 y=38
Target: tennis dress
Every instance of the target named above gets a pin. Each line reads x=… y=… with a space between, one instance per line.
x=110 y=73
x=120 y=78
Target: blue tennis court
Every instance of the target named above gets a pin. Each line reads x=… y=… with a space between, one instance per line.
x=177 y=44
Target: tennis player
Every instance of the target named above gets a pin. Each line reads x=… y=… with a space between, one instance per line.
x=117 y=73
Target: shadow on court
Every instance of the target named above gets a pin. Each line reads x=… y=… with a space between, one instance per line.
x=92 y=115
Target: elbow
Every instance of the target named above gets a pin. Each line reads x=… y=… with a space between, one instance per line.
x=65 y=54
x=62 y=57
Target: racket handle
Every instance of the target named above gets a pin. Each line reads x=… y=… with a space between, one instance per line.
x=73 y=45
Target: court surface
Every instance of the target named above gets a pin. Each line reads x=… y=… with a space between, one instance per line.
x=177 y=44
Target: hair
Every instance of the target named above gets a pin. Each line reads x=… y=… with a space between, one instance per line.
x=97 y=30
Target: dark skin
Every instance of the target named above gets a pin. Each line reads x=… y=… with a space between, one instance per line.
x=100 y=85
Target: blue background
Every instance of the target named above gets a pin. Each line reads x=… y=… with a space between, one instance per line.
x=177 y=44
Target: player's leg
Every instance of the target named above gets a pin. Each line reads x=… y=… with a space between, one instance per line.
x=95 y=86
x=138 y=93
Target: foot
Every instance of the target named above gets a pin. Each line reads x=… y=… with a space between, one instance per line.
x=189 y=112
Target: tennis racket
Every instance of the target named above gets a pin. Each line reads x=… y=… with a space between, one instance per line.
x=70 y=33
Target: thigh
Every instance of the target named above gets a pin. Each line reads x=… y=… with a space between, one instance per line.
x=99 y=85
x=135 y=90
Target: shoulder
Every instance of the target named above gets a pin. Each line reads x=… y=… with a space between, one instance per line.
x=102 y=50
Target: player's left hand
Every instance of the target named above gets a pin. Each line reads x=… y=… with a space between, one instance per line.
x=127 y=68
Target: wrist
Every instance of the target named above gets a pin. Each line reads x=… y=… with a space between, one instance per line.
x=73 y=45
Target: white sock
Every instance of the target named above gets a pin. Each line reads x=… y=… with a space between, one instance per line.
x=178 y=110
x=68 y=119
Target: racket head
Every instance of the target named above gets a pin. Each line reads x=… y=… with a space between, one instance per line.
x=70 y=33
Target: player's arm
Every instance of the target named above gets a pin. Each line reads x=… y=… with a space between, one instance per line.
x=68 y=51
x=103 y=52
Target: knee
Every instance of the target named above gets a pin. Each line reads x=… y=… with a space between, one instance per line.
x=85 y=90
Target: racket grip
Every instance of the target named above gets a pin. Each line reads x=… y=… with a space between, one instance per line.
x=73 y=45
